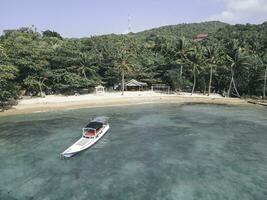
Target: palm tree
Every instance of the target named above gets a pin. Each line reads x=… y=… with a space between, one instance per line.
x=123 y=59
x=182 y=48
x=263 y=60
x=86 y=65
x=196 y=60
x=236 y=60
x=258 y=46
x=211 y=60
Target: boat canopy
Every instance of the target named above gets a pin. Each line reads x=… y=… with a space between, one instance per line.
x=94 y=125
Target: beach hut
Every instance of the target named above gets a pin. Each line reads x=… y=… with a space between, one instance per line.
x=99 y=89
x=134 y=85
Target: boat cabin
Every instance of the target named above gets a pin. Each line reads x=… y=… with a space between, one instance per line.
x=92 y=129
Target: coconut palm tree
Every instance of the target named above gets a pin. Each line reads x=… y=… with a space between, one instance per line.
x=236 y=59
x=86 y=65
x=196 y=60
x=210 y=54
x=123 y=58
x=182 y=49
x=257 y=46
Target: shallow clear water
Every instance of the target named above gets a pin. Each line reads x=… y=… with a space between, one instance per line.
x=151 y=152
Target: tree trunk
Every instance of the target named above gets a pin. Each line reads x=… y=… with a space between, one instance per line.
x=233 y=82
x=211 y=73
x=181 y=76
x=122 y=82
x=264 y=85
x=205 y=87
x=181 y=71
x=40 y=88
x=230 y=86
x=235 y=88
x=194 y=73
x=84 y=74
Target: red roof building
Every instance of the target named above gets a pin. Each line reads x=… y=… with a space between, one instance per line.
x=200 y=37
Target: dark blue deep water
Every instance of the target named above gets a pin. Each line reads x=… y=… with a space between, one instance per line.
x=179 y=152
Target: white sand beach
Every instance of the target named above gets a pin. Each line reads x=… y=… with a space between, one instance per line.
x=60 y=102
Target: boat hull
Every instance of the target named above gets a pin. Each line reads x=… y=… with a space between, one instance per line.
x=84 y=143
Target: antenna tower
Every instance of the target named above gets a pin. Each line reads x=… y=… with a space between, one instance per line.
x=129 y=24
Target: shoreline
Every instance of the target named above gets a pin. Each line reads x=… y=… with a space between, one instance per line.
x=54 y=103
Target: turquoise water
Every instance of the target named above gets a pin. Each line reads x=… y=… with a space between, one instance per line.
x=151 y=152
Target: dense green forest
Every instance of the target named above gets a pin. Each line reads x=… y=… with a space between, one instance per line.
x=232 y=60
x=188 y=31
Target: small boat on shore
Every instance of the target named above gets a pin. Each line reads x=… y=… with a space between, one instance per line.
x=93 y=132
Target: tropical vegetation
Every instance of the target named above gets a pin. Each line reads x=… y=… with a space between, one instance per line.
x=231 y=61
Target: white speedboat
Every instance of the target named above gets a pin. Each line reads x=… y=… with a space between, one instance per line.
x=93 y=132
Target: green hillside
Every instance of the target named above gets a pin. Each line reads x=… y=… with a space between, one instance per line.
x=184 y=30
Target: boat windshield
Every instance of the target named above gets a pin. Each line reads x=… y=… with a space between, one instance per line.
x=94 y=125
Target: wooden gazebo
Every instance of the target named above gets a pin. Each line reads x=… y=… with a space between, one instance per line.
x=99 y=89
x=134 y=85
